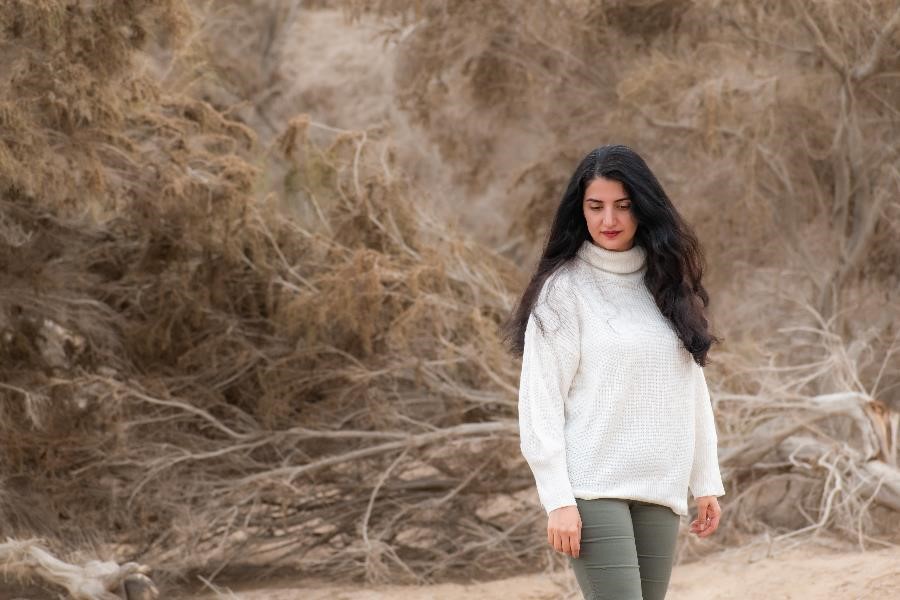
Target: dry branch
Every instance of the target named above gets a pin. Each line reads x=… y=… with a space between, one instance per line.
x=27 y=560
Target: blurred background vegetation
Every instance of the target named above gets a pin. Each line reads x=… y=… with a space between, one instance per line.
x=254 y=256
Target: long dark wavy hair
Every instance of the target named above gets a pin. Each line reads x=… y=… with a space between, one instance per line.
x=674 y=258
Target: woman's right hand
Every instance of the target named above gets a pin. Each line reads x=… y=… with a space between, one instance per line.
x=564 y=530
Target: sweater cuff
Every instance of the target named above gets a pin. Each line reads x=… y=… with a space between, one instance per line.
x=552 y=502
x=709 y=487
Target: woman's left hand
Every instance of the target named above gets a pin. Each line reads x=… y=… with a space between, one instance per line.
x=708 y=514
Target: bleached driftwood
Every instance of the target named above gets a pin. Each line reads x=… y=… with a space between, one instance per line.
x=95 y=580
x=860 y=469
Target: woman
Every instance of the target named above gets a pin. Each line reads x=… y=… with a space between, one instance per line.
x=614 y=412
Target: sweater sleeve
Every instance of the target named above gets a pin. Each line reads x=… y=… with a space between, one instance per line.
x=549 y=362
x=706 y=480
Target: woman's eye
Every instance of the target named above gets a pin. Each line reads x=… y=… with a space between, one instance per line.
x=622 y=206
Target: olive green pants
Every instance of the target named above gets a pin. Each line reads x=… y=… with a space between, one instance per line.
x=627 y=548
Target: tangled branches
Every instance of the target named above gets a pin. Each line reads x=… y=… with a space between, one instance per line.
x=214 y=354
x=204 y=380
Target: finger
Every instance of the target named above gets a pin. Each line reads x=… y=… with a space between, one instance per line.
x=713 y=525
x=567 y=543
x=707 y=531
x=697 y=526
x=701 y=515
x=574 y=542
x=557 y=541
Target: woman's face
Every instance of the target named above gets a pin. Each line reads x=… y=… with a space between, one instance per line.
x=607 y=211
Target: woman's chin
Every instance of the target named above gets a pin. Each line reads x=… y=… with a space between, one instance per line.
x=614 y=244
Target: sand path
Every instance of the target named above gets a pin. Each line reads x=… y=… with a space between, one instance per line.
x=747 y=573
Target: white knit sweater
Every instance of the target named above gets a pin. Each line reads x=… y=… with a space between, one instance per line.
x=611 y=404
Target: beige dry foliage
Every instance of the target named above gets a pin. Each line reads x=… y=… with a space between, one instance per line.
x=191 y=378
x=203 y=382
x=234 y=58
x=774 y=126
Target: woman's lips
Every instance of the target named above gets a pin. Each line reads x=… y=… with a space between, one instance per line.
x=610 y=234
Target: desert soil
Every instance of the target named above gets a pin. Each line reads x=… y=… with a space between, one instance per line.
x=807 y=572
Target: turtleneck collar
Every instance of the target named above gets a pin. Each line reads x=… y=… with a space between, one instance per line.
x=613 y=261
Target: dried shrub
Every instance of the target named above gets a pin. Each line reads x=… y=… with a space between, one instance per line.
x=771 y=125
x=192 y=378
x=223 y=346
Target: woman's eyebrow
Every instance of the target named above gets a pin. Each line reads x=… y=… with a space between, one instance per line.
x=616 y=200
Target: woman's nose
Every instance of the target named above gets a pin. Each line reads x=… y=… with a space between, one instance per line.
x=609 y=218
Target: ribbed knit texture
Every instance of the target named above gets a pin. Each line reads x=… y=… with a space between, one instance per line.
x=611 y=404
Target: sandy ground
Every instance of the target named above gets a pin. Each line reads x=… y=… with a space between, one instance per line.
x=746 y=573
